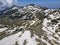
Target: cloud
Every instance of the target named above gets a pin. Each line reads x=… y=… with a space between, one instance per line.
x=7 y=3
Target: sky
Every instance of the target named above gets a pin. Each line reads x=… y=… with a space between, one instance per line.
x=44 y=3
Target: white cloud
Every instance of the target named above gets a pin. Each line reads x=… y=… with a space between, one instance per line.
x=8 y=2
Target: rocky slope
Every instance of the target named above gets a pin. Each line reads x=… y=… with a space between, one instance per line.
x=30 y=25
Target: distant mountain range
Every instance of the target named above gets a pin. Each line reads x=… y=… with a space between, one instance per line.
x=5 y=8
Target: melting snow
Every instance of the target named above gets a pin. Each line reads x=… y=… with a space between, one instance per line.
x=13 y=38
x=50 y=30
x=3 y=29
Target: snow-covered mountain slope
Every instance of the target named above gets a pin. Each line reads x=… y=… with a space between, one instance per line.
x=30 y=25
x=51 y=26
